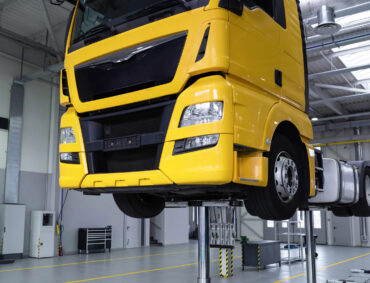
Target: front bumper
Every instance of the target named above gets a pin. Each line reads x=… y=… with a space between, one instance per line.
x=210 y=166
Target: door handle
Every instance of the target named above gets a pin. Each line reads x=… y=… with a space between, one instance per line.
x=278 y=77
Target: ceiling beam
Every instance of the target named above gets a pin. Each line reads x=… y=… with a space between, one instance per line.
x=338 y=71
x=360 y=82
x=49 y=27
x=51 y=70
x=341 y=125
x=346 y=116
x=350 y=51
x=320 y=94
x=338 y=87
x=348 y=138
x=339 y=98
x=28 y=42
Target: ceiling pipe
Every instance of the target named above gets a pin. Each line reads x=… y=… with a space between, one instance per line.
x=338 y=71
x=344 y=37
x=339 y=12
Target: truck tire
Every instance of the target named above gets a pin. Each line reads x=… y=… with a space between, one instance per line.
x=362 y=208
x=139 y=205
x=286 y=190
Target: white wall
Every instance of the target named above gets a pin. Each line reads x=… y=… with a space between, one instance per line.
x=82 y=211
x=250 y=226
x=171 y=226
x=39 y=188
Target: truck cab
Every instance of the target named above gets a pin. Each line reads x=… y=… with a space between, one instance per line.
x=187 y=100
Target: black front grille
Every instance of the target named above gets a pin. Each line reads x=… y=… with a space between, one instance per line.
x=126 y=141
x=144 y=66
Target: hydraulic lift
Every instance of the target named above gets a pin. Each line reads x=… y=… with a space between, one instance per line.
x=204 y=246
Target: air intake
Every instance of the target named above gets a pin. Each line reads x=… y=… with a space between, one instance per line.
x=326 y=21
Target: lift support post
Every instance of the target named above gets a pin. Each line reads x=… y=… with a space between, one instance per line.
x=203 y=245
x=311 y=254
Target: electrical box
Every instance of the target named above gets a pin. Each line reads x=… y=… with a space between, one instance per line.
x=42 y=234
x=12 y=220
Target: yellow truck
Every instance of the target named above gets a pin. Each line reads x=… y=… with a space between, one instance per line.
x=181 y=100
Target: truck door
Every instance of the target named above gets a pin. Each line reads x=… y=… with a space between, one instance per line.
x=255 y=44
x=292 y=62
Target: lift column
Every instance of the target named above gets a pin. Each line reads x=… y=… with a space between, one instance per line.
x=203 y=245
x=311 y=258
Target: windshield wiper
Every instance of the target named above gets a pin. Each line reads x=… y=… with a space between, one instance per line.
x=149 y=9
x=104 y=25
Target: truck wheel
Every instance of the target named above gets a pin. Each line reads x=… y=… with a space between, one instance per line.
x=139 y=205
x=286 y=189
x=362 y=208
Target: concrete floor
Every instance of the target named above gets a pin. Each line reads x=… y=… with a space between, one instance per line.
x=172 y=264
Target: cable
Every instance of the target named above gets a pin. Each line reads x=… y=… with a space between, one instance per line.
x=61 y=210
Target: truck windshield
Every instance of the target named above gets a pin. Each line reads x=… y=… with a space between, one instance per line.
x=97 y=16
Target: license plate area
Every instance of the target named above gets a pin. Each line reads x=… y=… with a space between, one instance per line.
x=122 y=143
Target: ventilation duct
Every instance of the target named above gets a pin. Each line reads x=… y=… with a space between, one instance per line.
x=326 y=21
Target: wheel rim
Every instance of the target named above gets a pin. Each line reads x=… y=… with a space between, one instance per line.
x=367 y=189
x=286 y=177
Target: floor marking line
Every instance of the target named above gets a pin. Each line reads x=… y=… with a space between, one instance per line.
x=324 y=267
x=94 y=261
x=139 y=272
x=133 y=273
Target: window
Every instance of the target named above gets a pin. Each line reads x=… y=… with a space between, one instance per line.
x=270 y=224
x=274 y=8
x=317 y=219
x=300 y=219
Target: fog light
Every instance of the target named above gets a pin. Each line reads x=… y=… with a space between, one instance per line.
x=195 y=143
x=70 y=157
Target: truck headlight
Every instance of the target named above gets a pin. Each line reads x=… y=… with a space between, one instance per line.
x=67 y=135
x=202 y=113
x=195 y=143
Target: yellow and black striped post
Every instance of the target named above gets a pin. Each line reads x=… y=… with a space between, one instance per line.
x=1 y=245
x=38 y=249
x=226 y=261
x=259 y=258
x=232 y=263
x=220 y=263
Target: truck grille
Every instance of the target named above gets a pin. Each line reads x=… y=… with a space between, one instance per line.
x=147 y=65
x=128 y=140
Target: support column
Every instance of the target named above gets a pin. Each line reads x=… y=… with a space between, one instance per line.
x=311 y=259
x=203 y=245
